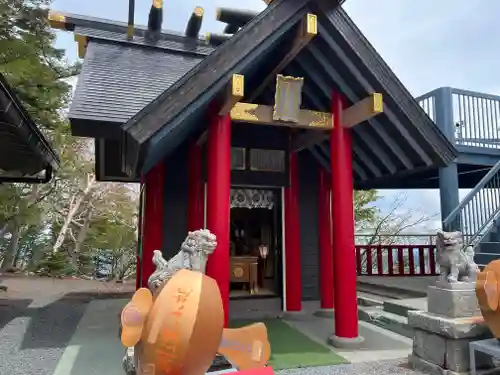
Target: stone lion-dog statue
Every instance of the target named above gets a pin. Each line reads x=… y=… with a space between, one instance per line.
x=456 y=264
x=176 y=326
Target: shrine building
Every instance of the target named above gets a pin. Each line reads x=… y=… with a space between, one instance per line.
x=260 y=134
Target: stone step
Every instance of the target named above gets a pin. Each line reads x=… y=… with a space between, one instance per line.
x=388 y=291
x=493 y=235
x=392 y=322
x=482 y=259
x=367 y=299
x=402 y=306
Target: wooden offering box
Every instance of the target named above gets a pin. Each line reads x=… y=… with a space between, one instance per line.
x=244 y=270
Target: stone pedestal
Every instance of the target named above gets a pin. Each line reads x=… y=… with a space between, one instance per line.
x=442 y=335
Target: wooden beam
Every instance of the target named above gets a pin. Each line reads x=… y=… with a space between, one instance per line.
x=308 y=29
x=234 y=93
x=82 y=41
x=57 y=20
x=355 y=114
x=263 y=114
x=363 y=110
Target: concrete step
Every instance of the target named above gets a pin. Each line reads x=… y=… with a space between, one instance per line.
x=482 y=259
x=392 y=322
x=402 y=306
x=367 y=299
x=488 y=247
x=386 y=291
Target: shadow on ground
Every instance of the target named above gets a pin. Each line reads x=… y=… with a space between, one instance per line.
x=51 y=325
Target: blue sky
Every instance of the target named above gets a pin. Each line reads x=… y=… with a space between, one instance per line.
x=428 y=43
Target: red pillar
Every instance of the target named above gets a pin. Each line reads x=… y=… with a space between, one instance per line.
x=293 y=283
x=152 y=226
x=344 y=259
x=196 y=189
x=218 y=202
x=325 y=241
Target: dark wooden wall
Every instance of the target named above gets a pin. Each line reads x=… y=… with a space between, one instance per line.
x=175 y=227
x=308 y=216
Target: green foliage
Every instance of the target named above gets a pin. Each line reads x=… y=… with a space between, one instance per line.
x=365 y=212
x=30 y=62
x=105 y=218
x=54 y=264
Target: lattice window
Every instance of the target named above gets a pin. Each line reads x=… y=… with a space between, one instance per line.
x=238 y=158
x=267 y=160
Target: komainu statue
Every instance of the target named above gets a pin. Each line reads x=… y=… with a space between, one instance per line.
x=456 y=264
x=488 y=296
x=193 y=255
x=177 y=325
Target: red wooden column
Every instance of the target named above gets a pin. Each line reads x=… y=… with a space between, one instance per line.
x=325 y=244
x=293 y=280
x=196 y=189
x=218 y=202
x=152 y=226
x=344 y=258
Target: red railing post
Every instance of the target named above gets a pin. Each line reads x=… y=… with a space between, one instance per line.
x=369 y=261
x=359 y=261
x=411 y=261
x=432 y=261
x=390 y=262
x=380 y=261
x=421 y=258
x=401 y=261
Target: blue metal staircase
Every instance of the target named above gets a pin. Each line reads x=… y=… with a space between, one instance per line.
x=477 y=216
x=472 y=121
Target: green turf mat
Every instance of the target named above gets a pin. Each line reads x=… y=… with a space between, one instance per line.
x=291 y=348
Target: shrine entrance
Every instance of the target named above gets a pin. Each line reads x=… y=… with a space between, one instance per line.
x=255 y=243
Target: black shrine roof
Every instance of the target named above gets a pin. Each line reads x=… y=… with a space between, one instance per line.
x=167 y=87
x=25 y=154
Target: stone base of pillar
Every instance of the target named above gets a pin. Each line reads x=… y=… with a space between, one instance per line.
x=346 y=342
x=324 y=313
x=294 y=315
x=441 y=336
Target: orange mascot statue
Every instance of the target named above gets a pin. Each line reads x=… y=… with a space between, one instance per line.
x=176 y=327
x=488 y=296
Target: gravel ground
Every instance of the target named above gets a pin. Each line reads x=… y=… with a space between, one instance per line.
x=38 y=317
x=388 y=367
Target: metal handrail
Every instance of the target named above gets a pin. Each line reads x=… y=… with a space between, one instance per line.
x=477 y=214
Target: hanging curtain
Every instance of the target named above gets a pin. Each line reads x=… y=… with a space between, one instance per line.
x=252 y=198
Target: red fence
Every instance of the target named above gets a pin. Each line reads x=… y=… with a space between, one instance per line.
x=396 y=260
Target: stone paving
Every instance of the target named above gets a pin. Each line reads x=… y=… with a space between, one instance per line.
x=46 y=330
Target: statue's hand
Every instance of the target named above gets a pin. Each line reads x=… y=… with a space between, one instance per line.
x=134 y=316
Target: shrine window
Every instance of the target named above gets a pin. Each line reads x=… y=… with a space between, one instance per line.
x=238 y=158
x=267 y=160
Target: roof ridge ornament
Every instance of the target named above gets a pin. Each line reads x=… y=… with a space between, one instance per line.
x=155 y=20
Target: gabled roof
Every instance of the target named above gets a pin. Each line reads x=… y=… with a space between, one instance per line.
x=340 y=58
x=24 y=151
